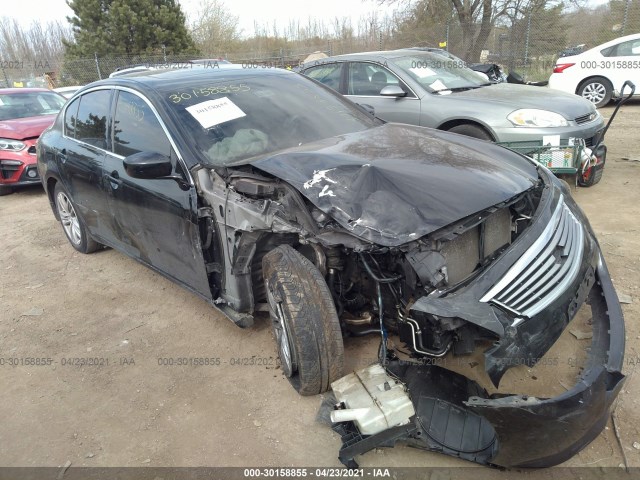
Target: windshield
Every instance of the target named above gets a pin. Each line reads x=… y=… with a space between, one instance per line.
x=29 y=104
x=437 y=73
x=243 y=116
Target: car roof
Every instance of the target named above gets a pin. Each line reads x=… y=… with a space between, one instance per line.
x=377 y=55
x=143 y=67
x=174 y=78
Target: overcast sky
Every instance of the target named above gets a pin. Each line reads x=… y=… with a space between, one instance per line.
x=248 y=11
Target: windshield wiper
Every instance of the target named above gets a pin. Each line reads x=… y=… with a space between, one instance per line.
x=460 y=89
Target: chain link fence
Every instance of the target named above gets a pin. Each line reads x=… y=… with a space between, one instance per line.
x=529 y=43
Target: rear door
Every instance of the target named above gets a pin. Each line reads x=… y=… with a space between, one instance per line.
x=623 y=63
x=83 y=148
x=155 y=220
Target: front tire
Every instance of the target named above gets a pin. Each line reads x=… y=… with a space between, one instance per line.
x=72 y=224
x=597 y=90
x=472 y=131
x=304 y=319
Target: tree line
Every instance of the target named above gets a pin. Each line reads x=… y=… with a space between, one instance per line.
x=160 y=27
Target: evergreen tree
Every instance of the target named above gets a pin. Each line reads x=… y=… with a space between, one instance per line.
x=116 y=27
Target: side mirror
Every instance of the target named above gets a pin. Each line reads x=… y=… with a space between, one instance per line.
x=148 y=165
x=393 y=91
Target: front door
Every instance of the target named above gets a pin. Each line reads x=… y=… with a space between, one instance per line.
x=366 y=80
x=155 y=219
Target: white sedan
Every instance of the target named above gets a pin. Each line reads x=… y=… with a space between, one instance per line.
x=598 y=73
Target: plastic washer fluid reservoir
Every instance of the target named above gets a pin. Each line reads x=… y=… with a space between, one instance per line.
x=373 y=400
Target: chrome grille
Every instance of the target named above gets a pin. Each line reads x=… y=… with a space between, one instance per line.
x=541 y=275
x=586 y=118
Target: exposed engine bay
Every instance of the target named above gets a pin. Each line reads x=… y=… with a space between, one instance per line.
x=375 y=287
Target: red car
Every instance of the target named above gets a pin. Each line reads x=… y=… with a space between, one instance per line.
x=24 y=114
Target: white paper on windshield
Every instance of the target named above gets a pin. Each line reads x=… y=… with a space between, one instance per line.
x=551 y=140
x=215 y=112
x=422 y=72
x=1 y=102
x=438 y=85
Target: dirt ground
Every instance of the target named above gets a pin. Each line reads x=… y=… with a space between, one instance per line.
x=132 y=410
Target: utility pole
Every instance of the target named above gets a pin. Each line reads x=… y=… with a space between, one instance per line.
x=95 y=55
x=627 y=3
x=446 y=35
x=4 y=74
x=526 y=43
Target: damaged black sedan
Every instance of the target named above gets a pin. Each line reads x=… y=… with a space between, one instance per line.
x=268 y=191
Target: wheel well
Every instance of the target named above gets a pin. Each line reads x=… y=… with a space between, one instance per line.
x=463 y=121
x=266 y=243
x=51 y=186
x=591 y=78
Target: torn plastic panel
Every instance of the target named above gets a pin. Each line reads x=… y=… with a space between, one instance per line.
x=455 y=416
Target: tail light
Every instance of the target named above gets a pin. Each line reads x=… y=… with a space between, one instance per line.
x=561 y=67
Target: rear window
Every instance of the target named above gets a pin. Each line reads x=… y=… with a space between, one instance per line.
x=91 y=121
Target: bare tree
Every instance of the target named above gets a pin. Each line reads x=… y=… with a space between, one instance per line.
x=36 y=42
x=31 y=52
x=214 y=29
x=475 y=18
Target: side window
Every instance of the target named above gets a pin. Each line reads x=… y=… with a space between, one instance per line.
x=70 y=116
x=369 y=79
x=327 y=74
x=91 y=120
x=628 y=49
x=624 y=49
x=136 y=128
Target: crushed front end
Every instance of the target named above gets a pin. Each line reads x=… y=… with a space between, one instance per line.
x=535 y=262
x=453 y=246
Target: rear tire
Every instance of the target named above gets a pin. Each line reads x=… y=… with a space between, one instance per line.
x=304 y=320
x=72 y=224
x=4 y=190
x=472 y=131
x=597 y=90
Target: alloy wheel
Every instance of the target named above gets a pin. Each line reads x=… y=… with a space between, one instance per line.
x=69 y=219
x=285 y=348
x=594 y=92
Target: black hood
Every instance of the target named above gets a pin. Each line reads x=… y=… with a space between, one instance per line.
x=395 y=183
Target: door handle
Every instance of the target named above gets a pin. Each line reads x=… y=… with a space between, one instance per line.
x=62 y=155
